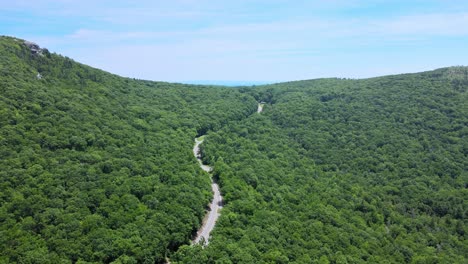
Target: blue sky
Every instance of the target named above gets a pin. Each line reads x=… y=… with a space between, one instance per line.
x=256 y=40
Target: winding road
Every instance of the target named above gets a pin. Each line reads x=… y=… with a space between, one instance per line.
x=216 y=204
x=209 y=222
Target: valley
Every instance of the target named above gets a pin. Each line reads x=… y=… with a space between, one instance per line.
x=98 y=168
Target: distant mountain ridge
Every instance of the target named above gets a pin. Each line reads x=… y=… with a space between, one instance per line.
x=228 y=83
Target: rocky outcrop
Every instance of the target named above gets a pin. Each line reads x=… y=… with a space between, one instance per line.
x=35 y=49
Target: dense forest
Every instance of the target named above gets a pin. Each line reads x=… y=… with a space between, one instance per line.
x=99 y=168
x=345 y=171
x=96 y=168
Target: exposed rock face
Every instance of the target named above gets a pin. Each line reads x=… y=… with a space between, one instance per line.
x=35 y=49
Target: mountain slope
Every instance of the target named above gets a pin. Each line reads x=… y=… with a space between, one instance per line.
x=96 y=167
x=345 y=171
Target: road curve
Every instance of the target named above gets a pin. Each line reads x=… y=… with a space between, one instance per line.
x=216 y=204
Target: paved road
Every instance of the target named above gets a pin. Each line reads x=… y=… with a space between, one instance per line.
x=260 y=108
x=216 y=204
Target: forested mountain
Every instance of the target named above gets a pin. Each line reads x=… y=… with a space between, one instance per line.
x=345 y=171
x=99 y=168
x=96 y=168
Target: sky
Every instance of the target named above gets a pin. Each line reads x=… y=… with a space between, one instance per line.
x=255 y=41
